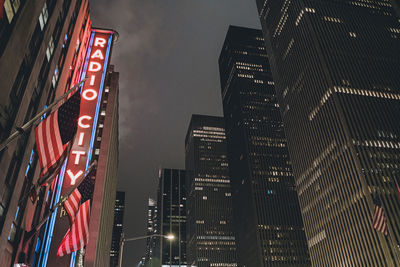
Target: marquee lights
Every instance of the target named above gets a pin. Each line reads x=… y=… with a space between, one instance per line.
x=95 y=70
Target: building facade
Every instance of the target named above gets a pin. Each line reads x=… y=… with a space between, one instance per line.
x=119 y=209
x=96 y=140
x=171 y=220
x=39 y=41
x=210 y=237
x=151 y=230
x=341 y=58
x=72 y=51
x=268 y=224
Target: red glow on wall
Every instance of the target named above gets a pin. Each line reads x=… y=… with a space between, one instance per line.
x=95 y=65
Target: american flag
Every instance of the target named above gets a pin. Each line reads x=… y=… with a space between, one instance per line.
x=379 y=219
x=78 y=234
x=86 y=187
x=56 y=131
x=71 y=205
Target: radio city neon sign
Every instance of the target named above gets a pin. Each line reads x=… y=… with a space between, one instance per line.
x=95 y=71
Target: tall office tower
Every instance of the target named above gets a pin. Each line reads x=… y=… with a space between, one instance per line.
x=336 y=68
x=171 y=220
x=151 y=230
x=210 y=237
x=268 y=224
x=119 y=209
x=39 y=42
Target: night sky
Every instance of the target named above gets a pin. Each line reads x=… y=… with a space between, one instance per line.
x=167 y=56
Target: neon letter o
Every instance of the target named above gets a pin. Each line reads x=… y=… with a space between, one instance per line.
x=92 y=97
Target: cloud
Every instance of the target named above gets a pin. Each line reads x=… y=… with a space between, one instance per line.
x=167 y=58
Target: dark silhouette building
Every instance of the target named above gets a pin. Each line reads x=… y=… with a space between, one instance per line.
x=210 y=237
x=151 y=230
x=171 y=219
x=336 y=65
x=119 y=209
x=268 y=224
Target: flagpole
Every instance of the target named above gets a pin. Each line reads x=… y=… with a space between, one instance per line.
x=21 y=130
x=45 y=179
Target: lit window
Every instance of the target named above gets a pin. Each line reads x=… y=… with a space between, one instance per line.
x=11 y=7
x=204 y=197
x=353 y=34
x=395 y=30
x=332 y=19
x=50 y=48
x=55 y=78
x=43 y=17
x=13 y=230
x=300 y=16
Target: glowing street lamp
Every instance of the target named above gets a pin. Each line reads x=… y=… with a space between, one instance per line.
x=170 y=237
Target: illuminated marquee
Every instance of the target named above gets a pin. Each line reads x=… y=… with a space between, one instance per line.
x=95 y=70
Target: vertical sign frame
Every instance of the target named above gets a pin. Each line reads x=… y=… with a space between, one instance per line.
x=95 y=69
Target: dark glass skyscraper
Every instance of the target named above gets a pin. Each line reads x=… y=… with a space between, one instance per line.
x=117 y=228
x=171 y=203
x=268 y=223
x=210 y=236
x=337 y=70
x=151 y=230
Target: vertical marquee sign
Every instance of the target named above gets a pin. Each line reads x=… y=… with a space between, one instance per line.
x=95 y=69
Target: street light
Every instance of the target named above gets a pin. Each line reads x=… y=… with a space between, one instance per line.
x=170 y=237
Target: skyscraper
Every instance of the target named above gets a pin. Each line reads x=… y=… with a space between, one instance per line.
x=210 y=237
x=171 y=219
x=268 y=224
x=336 y=68
x=151 y=230
x=39 y=42
x=119 y=209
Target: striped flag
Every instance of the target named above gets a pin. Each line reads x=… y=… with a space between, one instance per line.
x=75 y=239
x=86 y=187
x=71 y=205
x=379 y=220
x=55 y=132
x=78 y=234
